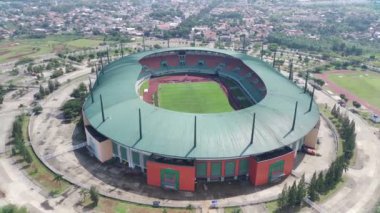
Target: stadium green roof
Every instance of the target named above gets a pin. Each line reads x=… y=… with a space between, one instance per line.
x=218 y=135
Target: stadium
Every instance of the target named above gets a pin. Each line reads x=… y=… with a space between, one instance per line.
x=184 y=116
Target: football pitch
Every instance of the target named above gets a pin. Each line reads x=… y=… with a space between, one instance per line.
x=199 y=97
x=365 y=85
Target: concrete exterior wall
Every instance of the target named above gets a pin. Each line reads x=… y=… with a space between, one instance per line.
x=102 y=150
x=85 y=120
x=312 y=137
x=259 y=171
x=186 y=175
x=105 y=150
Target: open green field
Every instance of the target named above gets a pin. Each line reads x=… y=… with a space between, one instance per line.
x=201 y=97
x=365 y=85
x=13 y=49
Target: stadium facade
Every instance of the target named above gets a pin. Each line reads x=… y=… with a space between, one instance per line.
x=258 y=141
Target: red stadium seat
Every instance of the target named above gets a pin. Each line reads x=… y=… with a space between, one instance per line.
x=192 y=60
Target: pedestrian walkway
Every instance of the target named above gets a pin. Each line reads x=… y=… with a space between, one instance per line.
x=70 y=149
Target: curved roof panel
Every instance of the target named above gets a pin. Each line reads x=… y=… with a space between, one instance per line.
x=218 y=135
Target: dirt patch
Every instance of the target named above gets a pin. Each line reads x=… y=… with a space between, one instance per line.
x=4 y=52
x=9 y=45
x=21 y=55
x=58 y=48
x=2 y=194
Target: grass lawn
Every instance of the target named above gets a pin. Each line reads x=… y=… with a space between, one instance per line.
x=110 y=205
x=325 y=197
x=232 y=210
x=202 y=97
x=272 y=206
x=13 y=49
x=37 y=170
x=363 y=84
x=84 y=43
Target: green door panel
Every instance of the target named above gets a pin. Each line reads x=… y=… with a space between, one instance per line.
x=169 y=179
x=201 y=169
x=136 y=158
x=229 y=169
x=123 y=152
x=243 y=166
x=216 y=169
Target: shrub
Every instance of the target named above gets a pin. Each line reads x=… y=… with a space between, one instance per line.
x=72 y=108
x=94 y=195
x=57 y=73
x=356 y=104
x=320 y=82
x=37 y=110
x=343 y=97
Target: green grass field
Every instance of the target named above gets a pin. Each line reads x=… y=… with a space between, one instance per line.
x=365 y=85
x=13 y=49
x=203 y=97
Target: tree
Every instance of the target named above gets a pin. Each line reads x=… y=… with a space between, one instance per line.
x=51 y=86
x=301 y=190
x=42 y=91
x=283 y=198
x=27 y=156
x=56 y=84
x=320 y=187
x=72 y=108
x=333 y=111
x=343 y=97
x=273 y=47
x=10 y=208
x=292 y=195
x=58 y=178
x=157 y=46
x=57 y=73
x=37 y=109
x=1 y=99
x=83 y=192
x=94 y=195
x=313 y=195
x=80 y=92
x=356 y=104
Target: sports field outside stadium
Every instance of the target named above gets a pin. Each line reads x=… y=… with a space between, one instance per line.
x=364 y=85
x=193 y=97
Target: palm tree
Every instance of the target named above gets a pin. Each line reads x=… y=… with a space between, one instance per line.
x=58 y=178
x=83 y=192
x=94 y=195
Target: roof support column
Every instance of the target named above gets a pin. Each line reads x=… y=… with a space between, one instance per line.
x=274 y=59
x=90 y=89
x=121 y=49
x=140 y=125
x=102 y=108
x=195 y=131
x=253 y=128
x=307 y=78
x=101 y=62
x=311 y=100
x=291 y=70
x=295 y=116
x=108 y=56
x=143 y=43
x=97 y=76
